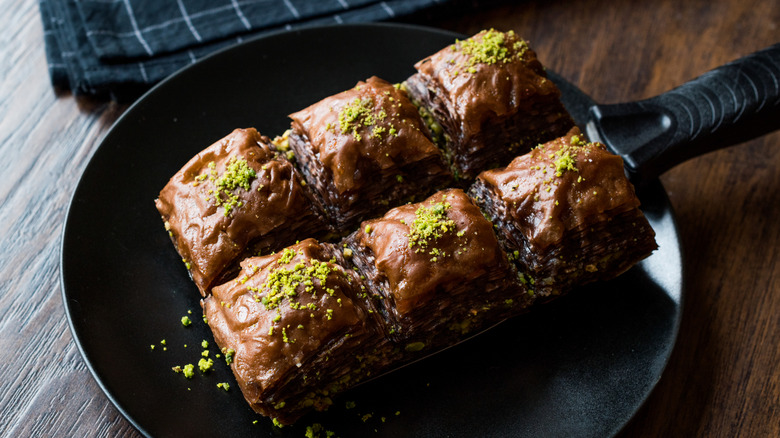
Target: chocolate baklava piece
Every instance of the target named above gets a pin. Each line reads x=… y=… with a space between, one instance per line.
x=436 y=271
x=566 y=214
x=294 y=330
x=488 y=99
x=365 y=150
x=237 y=197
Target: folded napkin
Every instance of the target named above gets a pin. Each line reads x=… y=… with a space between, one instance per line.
x=122 y=47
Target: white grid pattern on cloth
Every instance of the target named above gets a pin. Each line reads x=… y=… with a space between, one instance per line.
x=143 y=72
x=166 y=23
x=188 y=20
x=140 y=48
x=135 y=27
x=240 y=14
x=142 y=35
x=292 y=9
x=387 y=8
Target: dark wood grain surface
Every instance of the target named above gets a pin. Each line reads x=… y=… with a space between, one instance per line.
x=723 y=379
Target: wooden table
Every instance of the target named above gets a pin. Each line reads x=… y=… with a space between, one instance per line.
x=723 y=379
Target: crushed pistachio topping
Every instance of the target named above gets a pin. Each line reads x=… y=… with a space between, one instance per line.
x=356 y=114
x=554 y=164
x=185 y=321
x=224 y=385
x=430 y=223
x=204 y=344
x=414 y=346
x=229 y=355
x=359 y=114
x=316 y=430
x=237 y=175
x=491 y=48
x=285 y=339
x=189 y=370
x=285 y=284
x=205 y=364
x=565 y=162
x=282 y=142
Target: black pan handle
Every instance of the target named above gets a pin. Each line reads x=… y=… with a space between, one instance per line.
x=728 y=105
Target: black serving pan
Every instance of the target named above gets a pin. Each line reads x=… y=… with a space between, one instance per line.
x=581 y=366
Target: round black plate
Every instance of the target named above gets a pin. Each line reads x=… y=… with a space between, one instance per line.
x=578 y=367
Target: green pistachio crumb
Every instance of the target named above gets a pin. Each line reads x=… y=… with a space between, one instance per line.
x=284 y=282
x=185 y=321
x=355 y=114
x=204 y=344
x=315 y=430
x=430 y=223
x=225 y=386
x=565 y=162
x=189 y=370
x=229 y=355
x=490 y=48
x=285 y=338
x=205 y=364
x=377 y=131
x=414 y=346
x=237 y=174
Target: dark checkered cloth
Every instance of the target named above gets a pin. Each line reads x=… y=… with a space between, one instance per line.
x=122 y=47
